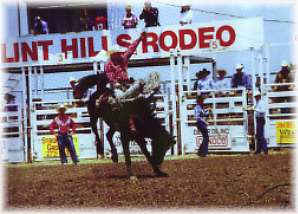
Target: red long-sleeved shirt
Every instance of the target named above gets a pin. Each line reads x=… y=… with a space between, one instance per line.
x=118 y=72
x=64 y=123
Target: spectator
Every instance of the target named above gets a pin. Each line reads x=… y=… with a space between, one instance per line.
x=150 y=15
x=100 y=23
x=284 y=76
x=84 y=22
x=64 y=123
x=198 y=76
x=200 y=115
x=241 y=79
x=40 y=26
x=129 y=20
x=205 y=82
x=221 y=82
x=185 y=14
x=260 y=120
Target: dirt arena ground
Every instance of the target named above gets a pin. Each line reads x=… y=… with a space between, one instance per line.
x=217 y=181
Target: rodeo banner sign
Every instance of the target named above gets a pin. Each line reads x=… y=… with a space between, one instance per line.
x=196 y=39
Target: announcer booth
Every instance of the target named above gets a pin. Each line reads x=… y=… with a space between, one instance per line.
x=33 y=57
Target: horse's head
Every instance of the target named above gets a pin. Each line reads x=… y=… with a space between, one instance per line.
x=160 y=145
x=87 y=82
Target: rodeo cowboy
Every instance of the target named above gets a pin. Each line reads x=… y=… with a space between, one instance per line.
x=64 y=123
x=119 y=82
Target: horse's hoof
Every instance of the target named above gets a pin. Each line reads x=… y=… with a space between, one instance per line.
x=114 y=158
x=133 y=178
x=161 y=174
x=100 y=156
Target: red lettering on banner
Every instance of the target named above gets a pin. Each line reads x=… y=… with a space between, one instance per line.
x=91 y=50
x=104 y=42
x=27 y=51
x=232 y=35
x=73 y=48
x=122 y=40
x=45 y=47
x=153 y=42
x=192 y=43
x=174 y=39
x=204 y=38
x=16 y=56
x=83 y=47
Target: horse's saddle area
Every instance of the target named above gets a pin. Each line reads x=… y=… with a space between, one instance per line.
x=140 y=88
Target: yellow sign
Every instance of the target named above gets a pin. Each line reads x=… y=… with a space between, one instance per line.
x=50 y=146
x=285 y=132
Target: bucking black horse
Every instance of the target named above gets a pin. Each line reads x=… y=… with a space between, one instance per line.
x=148 y=126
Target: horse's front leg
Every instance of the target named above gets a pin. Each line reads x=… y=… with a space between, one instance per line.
x=99 y=144
x=142 y=143
x=125 y=145
x=109 y=135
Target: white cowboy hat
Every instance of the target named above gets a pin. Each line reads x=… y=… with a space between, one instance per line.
x=239 y=66
x=114 y=49
x=61 y=106
x=284 y=63
x=257 y=93
x=72 y=79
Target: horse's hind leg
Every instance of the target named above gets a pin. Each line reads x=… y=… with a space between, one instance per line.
x=125 y=144
x=109 y=135
x=99 y=144
x=142 y=143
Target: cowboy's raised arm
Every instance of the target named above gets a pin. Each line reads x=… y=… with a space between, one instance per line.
x=132 y=48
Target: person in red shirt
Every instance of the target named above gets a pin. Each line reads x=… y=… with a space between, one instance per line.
x=64 y=124
x=100 y=23
x=117 y=65
x=116 y=71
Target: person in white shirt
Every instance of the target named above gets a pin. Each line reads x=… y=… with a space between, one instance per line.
x=129 y=20
x=260 y=112
x=185 y=14
x=221 y=82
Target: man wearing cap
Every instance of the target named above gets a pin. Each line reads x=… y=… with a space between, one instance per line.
x=40 y=26
x=150 y=15
x=129 y=20
x=260 y=120
x=241 y=79
x=221 y=82
x=64 y=123
x=185 y=14
x=205 y=82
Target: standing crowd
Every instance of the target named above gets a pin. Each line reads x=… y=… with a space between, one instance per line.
x=149 y=14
